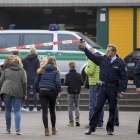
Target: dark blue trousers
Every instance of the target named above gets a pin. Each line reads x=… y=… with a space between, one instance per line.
x=139 y=125
x=104 y=94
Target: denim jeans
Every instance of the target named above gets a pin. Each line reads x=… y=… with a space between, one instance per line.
x=93 y=97
x=28 y=94
x=73 y=99
x=9 y=102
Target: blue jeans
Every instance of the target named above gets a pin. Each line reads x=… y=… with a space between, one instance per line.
x=93 y=97
x=28 y=94
x=9 y=102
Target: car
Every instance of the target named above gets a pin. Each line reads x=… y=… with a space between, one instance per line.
x=131 y=61
x=62 y=52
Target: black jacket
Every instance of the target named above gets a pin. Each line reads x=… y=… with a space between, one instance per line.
x=110 y=73
x=137 y=75
x=73 y=81
x=31 y=64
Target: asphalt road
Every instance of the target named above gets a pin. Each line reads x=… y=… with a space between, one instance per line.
x=32 y=127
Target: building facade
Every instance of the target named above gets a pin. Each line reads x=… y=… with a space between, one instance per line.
x=105 y=21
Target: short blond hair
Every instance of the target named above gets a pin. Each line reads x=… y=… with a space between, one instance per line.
x=33 y=50
x=72 y=64
x=113 y=47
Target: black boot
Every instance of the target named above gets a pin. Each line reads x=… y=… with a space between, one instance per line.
x=89 y=131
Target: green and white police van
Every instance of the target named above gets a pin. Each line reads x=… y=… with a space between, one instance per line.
x=62 y=52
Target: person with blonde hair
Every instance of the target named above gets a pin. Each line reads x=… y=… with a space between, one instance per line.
x=13 y=84
x=31 y=64
x=48 y=87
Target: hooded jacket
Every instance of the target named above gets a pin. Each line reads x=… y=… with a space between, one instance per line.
x=13 y=80
x=50 y=79
x=8 y=59
x=31 y=64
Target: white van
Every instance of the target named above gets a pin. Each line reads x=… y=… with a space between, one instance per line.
x=63 y=52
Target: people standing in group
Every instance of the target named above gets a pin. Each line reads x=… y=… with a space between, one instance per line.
x=74 y=82
x=13 y=84
x=113 y=74
x=31 y=63
x=48 y=87
x=7 y=60
x=137 y=83
x=92 y=70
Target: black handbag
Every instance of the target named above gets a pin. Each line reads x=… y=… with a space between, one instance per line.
x=86 y=84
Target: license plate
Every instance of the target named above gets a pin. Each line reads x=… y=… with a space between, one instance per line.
x=130 y=64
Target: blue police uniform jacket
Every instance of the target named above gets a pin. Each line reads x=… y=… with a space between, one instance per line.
x=137 y=75
x=110 y=73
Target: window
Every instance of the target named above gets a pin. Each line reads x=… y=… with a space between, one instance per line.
x=38 y=39
x=89 y=41
x=9 y=40
x=70 y=46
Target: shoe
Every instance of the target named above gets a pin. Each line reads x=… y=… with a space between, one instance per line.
x=99 y=125
x=2 y=104
x=22 y=109
x=89 y=131
x=77 y=122
x=47 y=132
x=109 y=132
x=54 y=130
x=27 y=109
x=34 y=109
x=138 y=132
x=18 y=132
x=70 y=124
x=7 y=131
x=116 y=124
x=87 y=126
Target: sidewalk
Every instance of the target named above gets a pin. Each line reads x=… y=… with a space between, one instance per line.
x=32 y=127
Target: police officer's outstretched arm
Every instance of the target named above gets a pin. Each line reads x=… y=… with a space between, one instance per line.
x=93 y=57
x=136 y=77
x=123 y=79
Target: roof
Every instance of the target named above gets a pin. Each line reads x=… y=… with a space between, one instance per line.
x=67 y=3
x=36 y=31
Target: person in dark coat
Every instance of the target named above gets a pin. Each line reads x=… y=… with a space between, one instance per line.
x=137 y=83
x=48 y=87
x=113 y=76
x=31 y=64
x=74 y=82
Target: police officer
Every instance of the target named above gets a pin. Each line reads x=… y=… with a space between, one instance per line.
x=137 y=83
x=113 y=76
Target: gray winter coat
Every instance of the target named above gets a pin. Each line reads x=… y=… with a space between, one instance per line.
x=13 y=80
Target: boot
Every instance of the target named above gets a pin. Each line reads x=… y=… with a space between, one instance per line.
x=47 y=132
x=54 y=130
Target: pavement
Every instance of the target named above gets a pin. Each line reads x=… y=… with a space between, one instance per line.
x=32 y=127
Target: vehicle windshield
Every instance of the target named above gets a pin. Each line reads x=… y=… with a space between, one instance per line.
x=135 y=53
x=89 y=41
